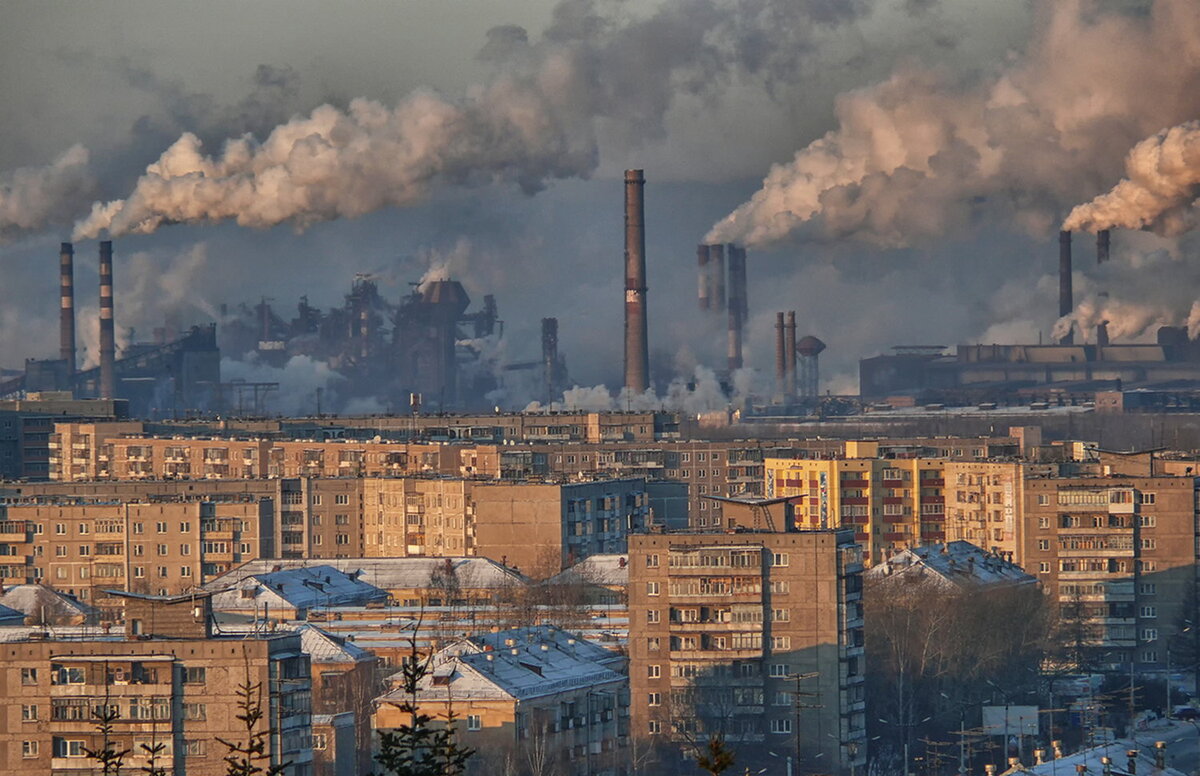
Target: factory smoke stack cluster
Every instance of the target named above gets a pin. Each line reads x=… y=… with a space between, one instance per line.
x=66 y=314
x=723 y=288
x=797 y=377
x=1066 y=302
x=637 y=349
x=108 y=345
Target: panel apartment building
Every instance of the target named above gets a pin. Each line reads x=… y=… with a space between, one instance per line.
x=898 y=503
x=1120 y=554
x=171 y=680
x=758 y=636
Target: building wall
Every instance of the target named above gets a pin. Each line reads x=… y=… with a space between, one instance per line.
x=192 y=713
x=732 y=621
x=1122 y=550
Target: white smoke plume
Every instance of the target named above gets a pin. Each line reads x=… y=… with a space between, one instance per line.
x=595 y=70
x=921 y=155
x=694 y=394
x=1159 y=191
x=33 y=198
x=298 y=380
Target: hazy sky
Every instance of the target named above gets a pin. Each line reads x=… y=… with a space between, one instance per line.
x=925 y=215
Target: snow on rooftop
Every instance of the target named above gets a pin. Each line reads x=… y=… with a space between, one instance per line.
x=390 y=573
x=302 y=588
x=1090 y=758
x=959 y=563
x=41 y=600
x=607 y=570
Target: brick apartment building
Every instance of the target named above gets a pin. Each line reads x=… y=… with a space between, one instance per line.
x=1119 y=553
x=754 y=635
x=171 y=681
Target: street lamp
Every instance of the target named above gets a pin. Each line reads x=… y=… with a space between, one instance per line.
x=789 y=762
x=907 y=734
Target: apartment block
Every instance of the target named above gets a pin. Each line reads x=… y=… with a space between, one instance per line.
x=171 y=682
x=757 y=636
x=1119 y=554
x=897 y=503
x=85 y=547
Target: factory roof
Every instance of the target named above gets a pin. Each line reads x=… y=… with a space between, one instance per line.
x=1090 y=759
x=300 y=588
x=393 y=573
x=956 y=564
x=604 y=570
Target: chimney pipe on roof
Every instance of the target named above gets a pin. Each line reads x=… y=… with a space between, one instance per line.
x=108 y=346
x=716 y=263
x=1102 y=240
x=637 y=355
x=1066 y=303
x=789 y=375
x=702 y=267
x=780 y=359
x=66 y=314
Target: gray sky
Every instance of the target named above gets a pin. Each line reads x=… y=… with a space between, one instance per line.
x=706 y=95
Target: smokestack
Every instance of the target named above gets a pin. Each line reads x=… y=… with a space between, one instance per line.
x=716 y=262
x=737 y=279
x=702 y=266
x=66 y=314
x=1102 y=334
x=637 y=350
x=1066 y=302
x=550 y=357
x=780 y=359
x=1102 y=238
x=789 y=347
x=743 y=295
x=108 y=345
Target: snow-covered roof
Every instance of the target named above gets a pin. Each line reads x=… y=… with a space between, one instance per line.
x=957 y=563
x=529 y=663
x=391 y=573
x=1090 y=758
x=46 y=603
x=320 y=645
x=605 y=570
x=301 y=588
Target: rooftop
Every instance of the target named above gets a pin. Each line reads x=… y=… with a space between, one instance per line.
x=958 y=563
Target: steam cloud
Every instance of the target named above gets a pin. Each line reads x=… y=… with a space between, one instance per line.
x=32 y=198
x=919 y=155
x=1159 y=192
x=537 y=119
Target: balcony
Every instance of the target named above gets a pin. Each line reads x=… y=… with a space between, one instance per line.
x=934 y=482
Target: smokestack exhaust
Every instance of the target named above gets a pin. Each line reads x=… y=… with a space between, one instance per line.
x=1066 y=303
x=789 y=375
x=1102 y=245
x=637 y=350
x=108 y=345
x=780 y=359
x=702 y=267
x=66 y=314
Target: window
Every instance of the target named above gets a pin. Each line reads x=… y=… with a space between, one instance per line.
x=60 y=551
x=781 y=725
x=85 y=549
x=1148 y=588
x=1146 y=521
x=139 y=549
x=1044 y=567
x=195 y=675
x=654 y=699
x=29 y=712
x=473 y=722
x=1149 y=656
x=781 y=615
x=654 y=644
x=1043 y=499
x=29 y=748
x=1043 y=522
x=185 y=571
x=342 y=538
x=652 y=561
x=68 y=747
x=341 y=519
x=652 y=588
x=320 y=743
x=779 y=559
x=317 y=539
x=1043 y=544
x=195 y=711
x=1145 y=565
x=778 y=669
x=139 y=572
x=341 y=499
x=163 y=549
x=1146 y=498
x=1148 y=544
x=60 y=529
x=653 y=615
x=138 y=528
x=782 y=698
x=653 y=671
x=160 y=527
x=1148 y=634
x=781 y=642
x=67 y=674
x=84 y=529
x=185 y=527
x=163 y=571
x=29 y=676
x=194 y=748
x=1148 y=612
x=654 y=728
x=185 y=549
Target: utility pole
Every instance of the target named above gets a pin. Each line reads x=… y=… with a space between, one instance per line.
x=797 y=706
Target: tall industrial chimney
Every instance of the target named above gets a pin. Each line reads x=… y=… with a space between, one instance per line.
x=780 y=360
x=789 y=346
x=637 y=349
x=1102 y=239
x=702 y=267
x=66 y=314
x=108 y=345
x=737 y=282
x=550 y=358
x=1066 y=302
x=738 y=268
x=716 y=265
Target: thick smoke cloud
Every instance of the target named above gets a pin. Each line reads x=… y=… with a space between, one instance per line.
x=1159 y=191
x=34 y=198
x=537 y=119
x=921 y=154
